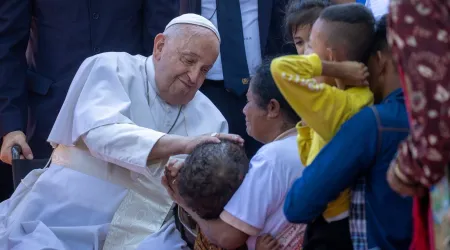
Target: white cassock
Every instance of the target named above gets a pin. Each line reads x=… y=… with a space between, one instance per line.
x=99 y=191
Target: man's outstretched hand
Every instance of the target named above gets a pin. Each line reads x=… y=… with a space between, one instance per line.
x=192 y=142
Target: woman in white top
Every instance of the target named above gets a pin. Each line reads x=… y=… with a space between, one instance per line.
x=256 y=209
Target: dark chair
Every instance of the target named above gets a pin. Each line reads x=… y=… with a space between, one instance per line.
x=21 y=167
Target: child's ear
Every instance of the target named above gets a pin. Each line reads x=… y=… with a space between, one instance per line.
x=335 y=55
x=331 y=55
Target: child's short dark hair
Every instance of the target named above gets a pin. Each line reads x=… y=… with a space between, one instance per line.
x=302 y=12
x=212 y=173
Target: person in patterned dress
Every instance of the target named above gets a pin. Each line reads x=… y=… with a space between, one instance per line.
x=419 y=36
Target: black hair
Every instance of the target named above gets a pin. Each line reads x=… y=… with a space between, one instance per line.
x=380 y=42
x=302 y=12
x=211 y=175
x=353 y=29
x=264 y=87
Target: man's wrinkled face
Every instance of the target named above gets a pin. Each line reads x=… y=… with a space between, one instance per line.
x=182 y=61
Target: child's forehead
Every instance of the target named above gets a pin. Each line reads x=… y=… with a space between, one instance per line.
x=320 y=29
x=302 y=31
x=319 y=25
x=302 y=28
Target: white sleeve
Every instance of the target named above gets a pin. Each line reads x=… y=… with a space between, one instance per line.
x=97 y=110
x=257 y=197
x=126 y=145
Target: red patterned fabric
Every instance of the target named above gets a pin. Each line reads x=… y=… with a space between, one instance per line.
x=419 y=33
x=422 y=239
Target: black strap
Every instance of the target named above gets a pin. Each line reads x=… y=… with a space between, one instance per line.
x=178 y=116
x=180 y=227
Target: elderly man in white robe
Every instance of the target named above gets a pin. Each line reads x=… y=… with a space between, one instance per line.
x=123 y=117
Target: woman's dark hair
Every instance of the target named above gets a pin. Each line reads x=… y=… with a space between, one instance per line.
x=380 y=39
x=302 y=12
x=265 y=89
x=211 y=174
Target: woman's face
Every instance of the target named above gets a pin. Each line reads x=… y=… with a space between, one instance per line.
x=255 y=117
x=300 y=34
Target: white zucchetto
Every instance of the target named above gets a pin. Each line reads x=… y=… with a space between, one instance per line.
x=194 y=19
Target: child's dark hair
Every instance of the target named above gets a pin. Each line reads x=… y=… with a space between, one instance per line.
x=380 y=42
x=351 y=28
x=211 y=174
x=302 y=12
x=265 y=89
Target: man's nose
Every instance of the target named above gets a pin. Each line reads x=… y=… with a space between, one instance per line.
x=195 y=75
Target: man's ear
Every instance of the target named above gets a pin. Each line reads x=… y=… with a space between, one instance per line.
x=273 y=109
x=160 y=40
x=382 y=62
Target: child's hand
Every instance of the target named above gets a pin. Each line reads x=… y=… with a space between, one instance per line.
x=172 y=168
x=354 y=73
x=267 y=242
x=170 y=178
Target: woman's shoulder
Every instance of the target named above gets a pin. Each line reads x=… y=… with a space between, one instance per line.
x=279 y=151
x=278 y=160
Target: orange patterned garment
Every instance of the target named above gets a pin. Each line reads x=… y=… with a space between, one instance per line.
x=291 y=238
x=202 y=243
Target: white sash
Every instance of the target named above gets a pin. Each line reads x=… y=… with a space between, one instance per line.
x=142 y=211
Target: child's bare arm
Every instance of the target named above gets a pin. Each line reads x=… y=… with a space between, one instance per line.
x=323 y=107
x=352 y=73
